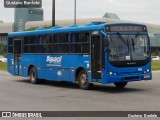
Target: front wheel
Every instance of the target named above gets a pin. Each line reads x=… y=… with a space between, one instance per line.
x=33 y=76
x=83 y=80
x=120 y=84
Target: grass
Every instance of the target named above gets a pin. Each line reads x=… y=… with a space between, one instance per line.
x=155 y=65
x=3 y=66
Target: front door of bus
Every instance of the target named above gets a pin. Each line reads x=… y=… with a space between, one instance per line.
x=96 y=56
x=17 y=56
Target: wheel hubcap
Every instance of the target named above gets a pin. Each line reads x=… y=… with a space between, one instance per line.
x=83 y=79
x=33 y=75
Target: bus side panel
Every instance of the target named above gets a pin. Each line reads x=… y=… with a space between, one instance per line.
x=48 y=73
x=67 y=67
x=71 y=74
x=56 y=74
x=48 y=68
x=26 y=61
x=64 y=74
x=24 y=71
x=72 y=63
x=10 y=61
x=67 y=75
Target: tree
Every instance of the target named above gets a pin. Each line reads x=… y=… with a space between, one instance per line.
x=3 y=50
x=34 y=28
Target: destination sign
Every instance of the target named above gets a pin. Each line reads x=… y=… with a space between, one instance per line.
x=126 y=28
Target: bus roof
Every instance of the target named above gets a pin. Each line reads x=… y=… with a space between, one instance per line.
x=74 y=28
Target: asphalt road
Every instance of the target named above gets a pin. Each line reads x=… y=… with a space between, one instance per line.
x=18 y=94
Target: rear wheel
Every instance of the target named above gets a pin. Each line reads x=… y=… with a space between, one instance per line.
x=120 y=84
x=83 y=80
x=33 y=76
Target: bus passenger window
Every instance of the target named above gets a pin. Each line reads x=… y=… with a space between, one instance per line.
x=44 y=42
x=10 y=45
x=80 y=43
x=61 y=43
x=30 y=44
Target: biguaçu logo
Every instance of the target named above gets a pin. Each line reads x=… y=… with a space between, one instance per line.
x=54 y=60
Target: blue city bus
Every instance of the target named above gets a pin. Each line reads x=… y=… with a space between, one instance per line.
x=94 y=53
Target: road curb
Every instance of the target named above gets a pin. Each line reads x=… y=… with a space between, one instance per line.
x=155 y=71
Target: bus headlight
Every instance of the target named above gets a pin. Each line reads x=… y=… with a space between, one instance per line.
x=147 y=71
x=112 y=73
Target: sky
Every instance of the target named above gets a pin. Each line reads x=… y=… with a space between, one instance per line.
x=147 y=11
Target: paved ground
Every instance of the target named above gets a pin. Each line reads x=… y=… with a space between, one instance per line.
x=17 y=94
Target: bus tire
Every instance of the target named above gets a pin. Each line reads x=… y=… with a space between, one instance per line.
x=83 y=80
x=120 y=84
x=33 y=76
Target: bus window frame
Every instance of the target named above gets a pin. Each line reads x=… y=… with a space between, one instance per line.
x=77 y=43
x=10 y=45
x=69 y=43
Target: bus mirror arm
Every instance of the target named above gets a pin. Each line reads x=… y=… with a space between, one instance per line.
x=104 y=33
x=105 y=50
x=106 y=43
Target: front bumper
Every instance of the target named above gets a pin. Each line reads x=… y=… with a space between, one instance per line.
x=127 y=78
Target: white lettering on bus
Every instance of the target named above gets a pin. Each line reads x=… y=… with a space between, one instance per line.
x=55 y=60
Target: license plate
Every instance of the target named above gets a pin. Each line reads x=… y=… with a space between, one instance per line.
x=147 y=76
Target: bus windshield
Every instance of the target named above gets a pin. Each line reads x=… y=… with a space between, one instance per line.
x=128 y=47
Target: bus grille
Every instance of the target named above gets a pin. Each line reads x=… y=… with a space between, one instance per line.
x=127 y=73
x=132 y=78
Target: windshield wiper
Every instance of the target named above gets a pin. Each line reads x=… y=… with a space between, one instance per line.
x=122 y=39
x=137 y=35
x=133 y=43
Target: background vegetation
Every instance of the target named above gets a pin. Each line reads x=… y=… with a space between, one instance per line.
x=3 y=50
x=3 y=66
x=34 y=28
x=156 y=65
